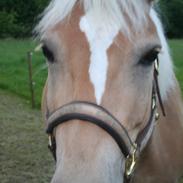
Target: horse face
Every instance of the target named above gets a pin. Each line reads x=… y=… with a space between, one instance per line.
x=103 y=67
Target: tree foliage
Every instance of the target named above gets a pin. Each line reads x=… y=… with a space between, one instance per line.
x=172 y=16
x=18 y=17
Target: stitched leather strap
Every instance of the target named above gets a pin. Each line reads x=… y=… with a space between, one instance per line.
x=89 y=112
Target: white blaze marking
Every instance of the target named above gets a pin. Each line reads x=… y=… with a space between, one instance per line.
x=100 y=38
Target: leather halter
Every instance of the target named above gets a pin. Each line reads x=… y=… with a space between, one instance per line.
x=90 y=112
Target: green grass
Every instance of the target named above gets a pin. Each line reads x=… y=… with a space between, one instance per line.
x=14 y=68
x=177 y=53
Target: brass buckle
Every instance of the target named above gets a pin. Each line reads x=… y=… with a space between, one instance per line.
x=157 y=116
x=154 y=102
x=50 y=140
x=131 y=162
x=156 y=66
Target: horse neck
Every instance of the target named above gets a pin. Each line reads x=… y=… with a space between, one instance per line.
x=165 y=148
x=173 y=121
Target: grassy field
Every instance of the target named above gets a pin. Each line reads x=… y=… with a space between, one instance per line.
x=14 y=72
x=14 y=68
x=24 y=156
x=176 y=47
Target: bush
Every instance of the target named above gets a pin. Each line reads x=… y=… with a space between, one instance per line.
x=7 y=23
x=172 y=16
x=18 y=17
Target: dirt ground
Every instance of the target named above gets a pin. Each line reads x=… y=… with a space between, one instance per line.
x=24 y=156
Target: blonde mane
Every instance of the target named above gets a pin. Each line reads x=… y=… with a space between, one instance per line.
x=113 y=12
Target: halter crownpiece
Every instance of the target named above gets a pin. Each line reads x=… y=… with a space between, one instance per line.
x=95 y=114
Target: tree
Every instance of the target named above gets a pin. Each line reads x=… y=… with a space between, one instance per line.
x=18 y=17
x=172 y=16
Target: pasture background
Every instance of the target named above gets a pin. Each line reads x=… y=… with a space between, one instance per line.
x=24 y=156
x=14 y=68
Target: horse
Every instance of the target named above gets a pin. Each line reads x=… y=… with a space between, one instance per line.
x=111 y=103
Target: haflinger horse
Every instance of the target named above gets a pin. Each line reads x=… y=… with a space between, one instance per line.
x=110 y=77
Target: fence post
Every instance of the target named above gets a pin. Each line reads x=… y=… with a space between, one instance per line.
x=29 y=59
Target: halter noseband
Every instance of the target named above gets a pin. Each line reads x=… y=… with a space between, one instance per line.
x=90 y=112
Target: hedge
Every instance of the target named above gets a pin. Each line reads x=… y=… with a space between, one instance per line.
x=18 y=17
x=172 y=16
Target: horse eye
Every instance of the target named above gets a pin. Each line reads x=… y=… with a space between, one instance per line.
x=149 y=58
x=48 y=54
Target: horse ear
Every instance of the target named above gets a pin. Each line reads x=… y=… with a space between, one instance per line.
x=151 y=1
